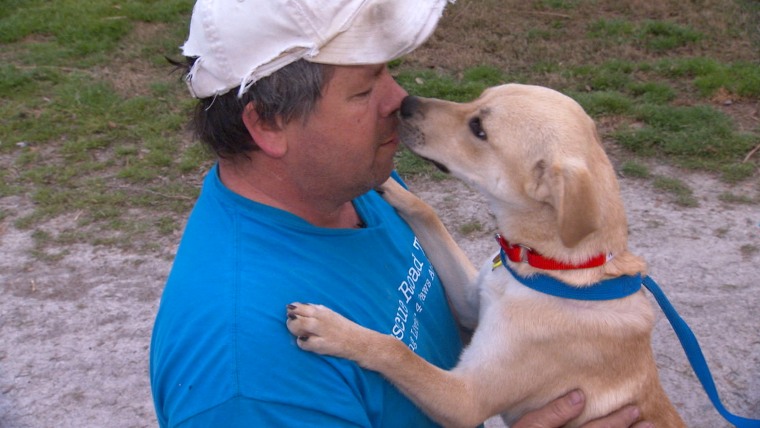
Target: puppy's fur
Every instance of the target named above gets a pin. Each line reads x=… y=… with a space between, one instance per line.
x=536 y=156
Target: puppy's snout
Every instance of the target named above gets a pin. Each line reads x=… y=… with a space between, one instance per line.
x=409 y=106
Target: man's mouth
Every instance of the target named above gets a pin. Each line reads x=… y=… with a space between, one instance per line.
x=392 y=140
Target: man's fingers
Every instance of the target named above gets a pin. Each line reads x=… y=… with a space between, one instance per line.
x=555 y=414
x=566 y=408
x=623 y=418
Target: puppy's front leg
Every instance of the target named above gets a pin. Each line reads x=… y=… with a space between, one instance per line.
x=324 y=331
x=453 y=266
x=447 y=398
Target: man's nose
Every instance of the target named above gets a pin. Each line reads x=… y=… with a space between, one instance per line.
x=395 y=96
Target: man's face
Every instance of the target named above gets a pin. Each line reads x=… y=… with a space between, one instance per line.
x=346 y=145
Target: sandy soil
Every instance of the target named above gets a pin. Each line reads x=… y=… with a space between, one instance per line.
x=75 y=333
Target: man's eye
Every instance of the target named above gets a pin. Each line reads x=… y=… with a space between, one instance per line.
x=363 y=94
x=477 y=128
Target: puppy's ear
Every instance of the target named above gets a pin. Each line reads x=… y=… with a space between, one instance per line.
x=569 y=188
x=576 y=203
x=270 y=139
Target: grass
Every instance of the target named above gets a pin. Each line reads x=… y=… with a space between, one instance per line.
x=749 y=250
x=634 y=169
x=469 y=85
x=682 y=194
x=471 y=227
x=732 y=198
x=694 y=137
x=84 y=141
x=95 y=148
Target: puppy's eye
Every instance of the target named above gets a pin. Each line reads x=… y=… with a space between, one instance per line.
x=477 y=128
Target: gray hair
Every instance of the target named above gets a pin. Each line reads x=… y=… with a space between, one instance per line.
x=288 y=94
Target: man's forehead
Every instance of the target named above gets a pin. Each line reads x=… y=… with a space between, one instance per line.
x=368 y=70
x=348 y=76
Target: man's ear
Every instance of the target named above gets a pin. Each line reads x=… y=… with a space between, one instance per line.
x=269 y=138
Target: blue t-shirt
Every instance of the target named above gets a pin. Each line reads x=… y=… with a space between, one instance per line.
x=221 y=355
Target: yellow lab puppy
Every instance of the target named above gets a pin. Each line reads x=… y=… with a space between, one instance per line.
x=537 y=157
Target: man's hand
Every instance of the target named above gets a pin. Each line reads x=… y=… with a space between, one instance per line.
x=564 y=409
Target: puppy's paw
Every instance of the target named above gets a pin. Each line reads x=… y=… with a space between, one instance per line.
x=396 y=195
x=321 y=330
x=407 y=204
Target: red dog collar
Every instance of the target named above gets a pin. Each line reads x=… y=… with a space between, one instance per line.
x=519 y=253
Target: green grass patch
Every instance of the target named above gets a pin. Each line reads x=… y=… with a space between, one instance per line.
x=682 y=194
x=79 y=32
x=471 y=227
x=616 y=29
x=634 y=170
x=429 y=83
x=737 y=172
x=408 y=164
x=555 y=4
x=740 y=78
x=661 y=36
x=749 y=250
x=655 y=36
x=612 y=75
x=650 y=92
x=696 y=137
x=708 y=75
x=604 y=103
x=78 y=143
x=654 y=82
x=732 y=198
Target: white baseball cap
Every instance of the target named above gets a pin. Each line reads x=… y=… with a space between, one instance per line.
x=237 y=42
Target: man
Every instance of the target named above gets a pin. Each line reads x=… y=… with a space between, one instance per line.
x=296 y=101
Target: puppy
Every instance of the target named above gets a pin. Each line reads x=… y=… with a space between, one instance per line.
x=536 y=156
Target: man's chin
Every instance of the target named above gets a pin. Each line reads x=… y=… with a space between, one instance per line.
x=383 y=174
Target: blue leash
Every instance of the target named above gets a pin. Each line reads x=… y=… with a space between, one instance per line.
x=618 y=288
x=695 y=356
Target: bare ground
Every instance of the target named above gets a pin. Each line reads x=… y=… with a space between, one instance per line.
x=76 y=332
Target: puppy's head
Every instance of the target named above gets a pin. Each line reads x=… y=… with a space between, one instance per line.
x=533 y=151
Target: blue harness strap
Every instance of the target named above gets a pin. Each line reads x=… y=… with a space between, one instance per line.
x=694 y=354
x=617 y=288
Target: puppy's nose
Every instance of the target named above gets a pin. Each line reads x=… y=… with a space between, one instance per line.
x=408 y=106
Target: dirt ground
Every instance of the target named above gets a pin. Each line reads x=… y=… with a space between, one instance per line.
x=76 y=332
